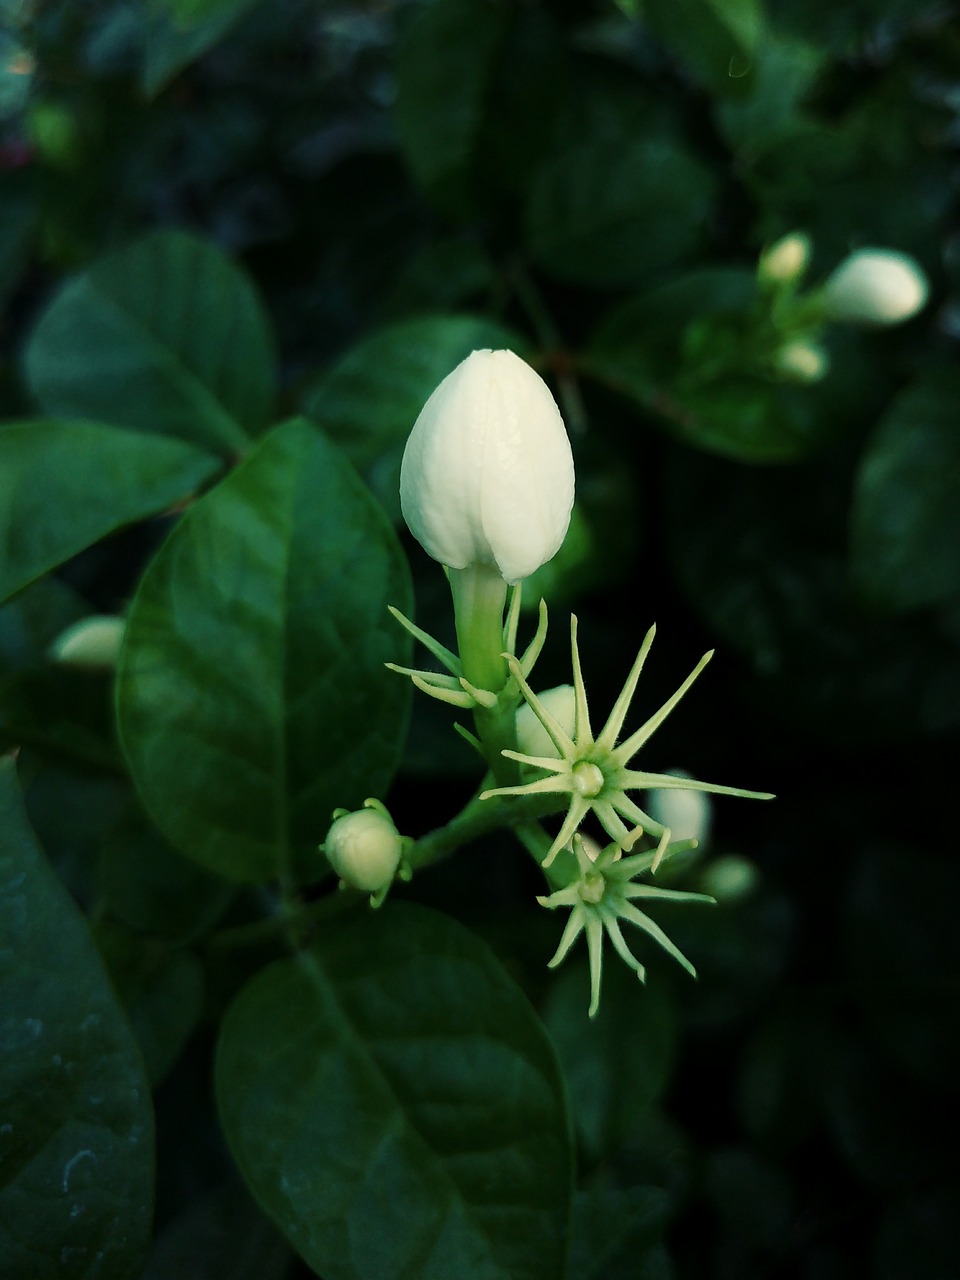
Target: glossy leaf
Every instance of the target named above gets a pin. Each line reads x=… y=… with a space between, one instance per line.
x=76 y=1135
x=394 y=1105
x=252 y=695
x=167 y=336
x=66 y=485
x=905 y=523
x=446 y=62
x=612 y=215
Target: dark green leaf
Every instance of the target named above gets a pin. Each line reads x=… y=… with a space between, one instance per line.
x=905 y=524
x=220 y=1236
x=180 y=31
x=616 y=1064
x=446 y=62
x=615 y=1234
x=395 y=1106
x=611 y=214
x=166 y=335
x=64 y=712
x=31 y=622
x=160 y=989
x=76 y=1137
x=716 y=39
x=66 y=485
x=252 y=695
x=370 y=399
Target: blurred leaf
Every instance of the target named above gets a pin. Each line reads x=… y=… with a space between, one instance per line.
x=180 y=31
x=779 y=1078
x=611 y=215
x=76 y=1141
x=166 y=335
x=765 y=113
x=616 y=1064
x=904 y=950
x=31 y=621
x=252 y=695
x=66 y=485
x=689 y=354
x=18 y=216
x=63 y=712
x=370 y=399
x=918 y=1236
x=446 y=61
x=150 y=886
x=161 y=991
x=615 y=1234
x=715 y=39
x=905 y=522
x=754 y=1202
x=221 y=1235
x=396 y=1108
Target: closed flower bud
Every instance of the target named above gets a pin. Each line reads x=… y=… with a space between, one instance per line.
x=687 y=813
x=532 y=737
x=487 y=474
x=875 y=286
x=364 y=848
x=801 y=361
x=786 y=260
x=91 y=642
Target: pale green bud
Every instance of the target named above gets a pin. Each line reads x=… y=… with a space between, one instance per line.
x=487 y=473
x=786 y=260
x=688 y=814
x=91 y=642
x=730 y=879
x=364 y=848
x=802 y=361
x=876 y=286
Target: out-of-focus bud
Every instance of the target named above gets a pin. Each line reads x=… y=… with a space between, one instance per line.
x=730 y=879
x=364 y=848
x=91 y=642
x=786 y=260
x=801 y=361
x=532 y=737
x=687 y=813
x=487 y=474
x=875 y=286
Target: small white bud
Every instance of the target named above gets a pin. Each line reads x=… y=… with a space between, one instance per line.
x=876 y=286
x=786 y=260
x=91 y=642
x=487 y=473
x=801 y=361
x=730 y=879
x=532 y=737
x=364 y=848
x=687 y=813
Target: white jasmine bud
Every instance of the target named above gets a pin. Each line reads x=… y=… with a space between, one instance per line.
x=687 y=813
x=532 y=737
x=487 y=474
x=364 y=848
x=876 y=286
x=786 y=260
x=91 y=642
x=801 y=361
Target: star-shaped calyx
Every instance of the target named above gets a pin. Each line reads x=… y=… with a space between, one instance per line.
x=595 y=770
x=604 y=894
x=454 y=688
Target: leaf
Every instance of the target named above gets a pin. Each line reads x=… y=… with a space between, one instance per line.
x=616 y=1233
x=611 y=214
x=31 y=622
x=64 y=712
x=76 y=1137
x=252 y=695
x=221 y=1235
x=617 y=1065
x=715 y=39
x=905 y=522
x=180 y=31
x=66 y=485
x=370 y=399
x=446 y=61
x=395 y=1107
x=166 y=335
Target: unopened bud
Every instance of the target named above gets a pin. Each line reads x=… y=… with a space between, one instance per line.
x=801 y=361
x=532 y=737
x=364 y=848
x=91 y=642
x=876 y=286
x=686 y=813
x=786 y=260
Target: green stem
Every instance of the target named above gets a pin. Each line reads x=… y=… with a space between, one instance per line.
x=479 y=597
x=477 y=819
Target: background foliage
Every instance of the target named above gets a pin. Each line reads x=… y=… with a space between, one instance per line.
x=240 y=243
